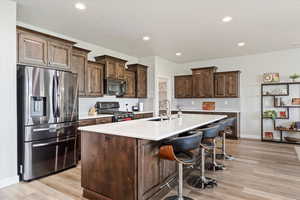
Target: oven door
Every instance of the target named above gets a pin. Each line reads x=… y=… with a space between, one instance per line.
x=48 y=156
x=115 y=87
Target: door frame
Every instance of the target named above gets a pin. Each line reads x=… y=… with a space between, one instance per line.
x=169 y=92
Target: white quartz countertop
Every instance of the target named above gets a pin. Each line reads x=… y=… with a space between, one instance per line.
x=86 y=116
x=82 y=117
x=217 y=110
x=154 y=130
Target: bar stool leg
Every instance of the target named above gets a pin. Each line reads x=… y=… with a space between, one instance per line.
x=180 y=186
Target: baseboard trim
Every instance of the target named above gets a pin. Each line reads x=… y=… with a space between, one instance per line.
x=9 y=181
x=255 y=137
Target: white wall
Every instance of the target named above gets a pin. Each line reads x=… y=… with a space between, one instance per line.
x=8 y=118
x=252 y=67
x=86 y=103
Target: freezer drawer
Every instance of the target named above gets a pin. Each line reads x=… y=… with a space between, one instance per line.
x=48 y=156
x=41 y=132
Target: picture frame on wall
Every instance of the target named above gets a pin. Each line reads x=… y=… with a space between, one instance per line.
x=271 y=77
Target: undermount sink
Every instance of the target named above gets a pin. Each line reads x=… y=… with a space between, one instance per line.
x=159 y=119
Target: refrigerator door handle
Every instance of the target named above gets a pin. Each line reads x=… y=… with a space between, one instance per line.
x=52 y=143
x=54 y=98
x=58 y=95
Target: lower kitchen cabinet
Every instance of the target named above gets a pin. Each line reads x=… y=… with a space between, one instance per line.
x=89 y=122
x=131 y=164
x=143 y=115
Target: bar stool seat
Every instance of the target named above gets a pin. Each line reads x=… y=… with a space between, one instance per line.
x=179 y=149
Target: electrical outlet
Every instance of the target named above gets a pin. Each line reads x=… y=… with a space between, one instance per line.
x=226 y=102
x=193 y=102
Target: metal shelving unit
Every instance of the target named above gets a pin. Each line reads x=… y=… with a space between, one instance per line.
x=287 y=107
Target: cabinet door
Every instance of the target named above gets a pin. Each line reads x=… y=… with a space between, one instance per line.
x=120 y=70
x=110 y=69
x=59 y=55
x=94 y=79
x=32 y=50
x=168 y=169
x=130 y=84
x=142 y=83
x=232 y=84
x=220 y=85
x=188 y=87
x=203 y=83
x=149 y=165
x=179 y=87
x=78 y=65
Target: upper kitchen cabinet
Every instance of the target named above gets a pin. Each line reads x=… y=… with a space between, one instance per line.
x=227 y=84
x=78 y=66
x=94 y=79
x=130 y=77
x=114 y=67
x=183 y=86
x=141 y=79
x=203 y=82
x=43 y=50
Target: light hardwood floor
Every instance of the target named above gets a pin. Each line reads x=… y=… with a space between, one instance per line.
x=262 y=171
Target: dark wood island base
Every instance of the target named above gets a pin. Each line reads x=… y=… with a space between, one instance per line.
x=123 y=168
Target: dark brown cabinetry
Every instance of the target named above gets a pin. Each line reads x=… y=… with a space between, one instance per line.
x=40 y=49
x=114 y=67
x=207 y=83
x=89 y=122
x=141 y=79
x=94 y=79
x=203 y=82
x=137 y=174
x=130 y=77
x=143 y=115
x=183 y=86
x=78 y=66
x=227 y=84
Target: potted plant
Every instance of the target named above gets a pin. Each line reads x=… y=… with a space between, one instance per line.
x=270 y=114
x=294 y=77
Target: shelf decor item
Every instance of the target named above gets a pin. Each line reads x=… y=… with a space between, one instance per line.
x=208 y=105
x=283 y=114
x=271 y=77
x=270 y=114
x=296 y=101
x=291 y=139
x=294 y=77
x=269 y=135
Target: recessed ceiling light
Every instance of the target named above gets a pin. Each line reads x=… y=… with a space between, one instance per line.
x=241 y=44
x=80 y=6
x=227 y=19
x=178 y=54
x=146 y=38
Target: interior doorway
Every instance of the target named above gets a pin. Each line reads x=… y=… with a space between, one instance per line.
x=164 y=94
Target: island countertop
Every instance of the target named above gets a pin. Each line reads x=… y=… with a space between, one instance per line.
x=154 y=130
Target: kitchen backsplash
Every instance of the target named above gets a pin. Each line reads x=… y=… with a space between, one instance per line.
x=221 y=104
x=86 y=103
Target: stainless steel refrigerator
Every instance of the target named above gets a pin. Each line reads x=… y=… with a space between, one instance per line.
x=47 y=121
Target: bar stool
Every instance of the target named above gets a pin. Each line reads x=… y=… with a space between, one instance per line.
x=179 y=149
x=225 y=129
x=202 y=181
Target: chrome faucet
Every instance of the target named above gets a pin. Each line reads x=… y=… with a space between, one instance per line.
x=169 y=114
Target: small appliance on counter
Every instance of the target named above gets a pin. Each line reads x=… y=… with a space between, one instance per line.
x=135 y=108
x=141 y=107
x=112 y=108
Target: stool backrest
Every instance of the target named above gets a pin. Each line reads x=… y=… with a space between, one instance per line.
x=230 y=121
x=185 y=143
x=210 y=132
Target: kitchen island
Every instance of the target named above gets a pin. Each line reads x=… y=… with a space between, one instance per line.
x=120 y=160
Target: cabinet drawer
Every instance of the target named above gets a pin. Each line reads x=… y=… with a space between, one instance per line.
x=87 y=122
x=104 y=120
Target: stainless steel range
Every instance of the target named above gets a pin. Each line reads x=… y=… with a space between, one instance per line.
x=113 y=109
x=47 y=121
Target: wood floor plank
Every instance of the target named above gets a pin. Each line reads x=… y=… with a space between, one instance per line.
x=261 y=171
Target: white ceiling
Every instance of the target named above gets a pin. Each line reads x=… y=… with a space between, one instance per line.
x=193 y=27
